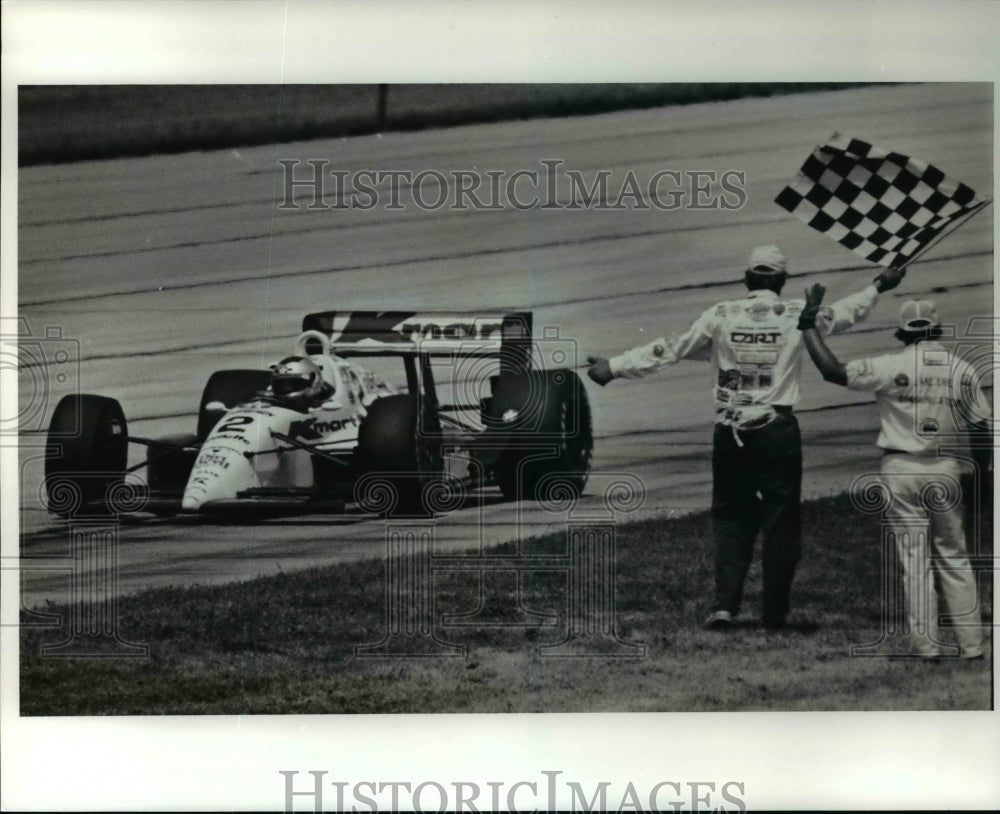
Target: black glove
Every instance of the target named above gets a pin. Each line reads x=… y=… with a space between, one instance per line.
x=814 y=299
x=889 y=279
x=600 y=370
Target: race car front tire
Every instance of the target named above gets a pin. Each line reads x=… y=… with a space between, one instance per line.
x=86 y=452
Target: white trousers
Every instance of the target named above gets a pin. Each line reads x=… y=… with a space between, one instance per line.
x=925 y=518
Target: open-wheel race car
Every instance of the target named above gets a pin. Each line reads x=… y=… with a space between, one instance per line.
x=475 y=404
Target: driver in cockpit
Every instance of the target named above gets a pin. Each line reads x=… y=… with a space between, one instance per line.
x=299 y=382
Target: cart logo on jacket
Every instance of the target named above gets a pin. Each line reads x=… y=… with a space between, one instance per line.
x=755 y=337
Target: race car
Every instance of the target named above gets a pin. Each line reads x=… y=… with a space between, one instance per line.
x=475 y=405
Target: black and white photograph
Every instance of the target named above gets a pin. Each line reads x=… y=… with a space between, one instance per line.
x=545 y=436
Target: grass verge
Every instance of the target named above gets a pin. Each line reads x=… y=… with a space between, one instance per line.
x=286 y=644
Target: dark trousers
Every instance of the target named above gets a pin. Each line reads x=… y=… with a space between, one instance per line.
x=757 y=488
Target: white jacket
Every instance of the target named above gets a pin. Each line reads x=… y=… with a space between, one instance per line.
x=927 y=397
x=754 y=346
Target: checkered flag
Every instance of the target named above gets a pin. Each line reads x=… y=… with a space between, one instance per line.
x=885 y=206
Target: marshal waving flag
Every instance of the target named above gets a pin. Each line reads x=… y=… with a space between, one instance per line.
x=883 y=205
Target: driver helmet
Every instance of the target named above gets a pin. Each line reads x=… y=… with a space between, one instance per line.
x=296 y=377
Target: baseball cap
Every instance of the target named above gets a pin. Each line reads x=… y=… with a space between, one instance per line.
x=767 y=260
x=918 y=315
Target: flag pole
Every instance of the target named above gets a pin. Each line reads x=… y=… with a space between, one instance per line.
x=945 y=232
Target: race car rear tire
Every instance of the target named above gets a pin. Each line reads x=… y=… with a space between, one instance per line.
x=86 y=452
x=229 y=387
x=550 y=434
x=391 y=452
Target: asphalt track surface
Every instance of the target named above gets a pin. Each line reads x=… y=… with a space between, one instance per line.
x=159 y=271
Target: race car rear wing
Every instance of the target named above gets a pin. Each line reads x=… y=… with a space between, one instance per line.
x=507 y=336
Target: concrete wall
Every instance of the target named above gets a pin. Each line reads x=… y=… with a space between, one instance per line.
x=71 y=123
